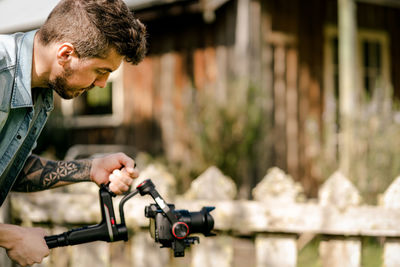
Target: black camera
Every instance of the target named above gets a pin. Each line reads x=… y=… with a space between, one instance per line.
x=169 y=227
x=176 y=236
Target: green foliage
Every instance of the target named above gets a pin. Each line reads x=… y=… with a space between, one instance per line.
x=378 y=145
x=376 y=148
x=371 y=253
x=228 y=134
x=309 y=255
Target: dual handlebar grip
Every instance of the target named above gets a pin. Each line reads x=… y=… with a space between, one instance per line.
x=107 y=230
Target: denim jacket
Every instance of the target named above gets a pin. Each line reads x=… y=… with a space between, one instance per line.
x=21 y=121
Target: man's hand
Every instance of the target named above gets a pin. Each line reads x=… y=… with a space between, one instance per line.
x=25 y=246
x=118 y=169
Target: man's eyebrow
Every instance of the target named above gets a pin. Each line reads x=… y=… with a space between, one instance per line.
x=106 y=69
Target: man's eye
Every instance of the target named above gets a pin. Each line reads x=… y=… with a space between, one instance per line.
x=101 y=72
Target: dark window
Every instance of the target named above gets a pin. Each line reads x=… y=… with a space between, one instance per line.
x=372 y=66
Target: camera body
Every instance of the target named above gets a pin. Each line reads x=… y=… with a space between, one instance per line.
x=176 y=235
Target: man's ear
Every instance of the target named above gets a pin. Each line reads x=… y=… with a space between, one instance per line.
x=64 y=53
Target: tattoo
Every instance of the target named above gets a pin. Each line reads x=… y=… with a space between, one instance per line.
x=40 y=174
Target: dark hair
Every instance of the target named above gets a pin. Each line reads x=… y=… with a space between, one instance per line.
x=95 y=26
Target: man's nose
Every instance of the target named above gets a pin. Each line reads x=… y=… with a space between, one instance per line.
x=101 y=81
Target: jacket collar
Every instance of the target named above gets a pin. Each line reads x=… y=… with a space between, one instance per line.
x=22 y=93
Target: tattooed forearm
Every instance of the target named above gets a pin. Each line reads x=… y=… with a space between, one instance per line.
x=40 y=174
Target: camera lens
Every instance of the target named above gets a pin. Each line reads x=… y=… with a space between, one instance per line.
x=198 y=222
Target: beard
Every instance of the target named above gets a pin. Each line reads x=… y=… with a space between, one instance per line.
x=60 y=85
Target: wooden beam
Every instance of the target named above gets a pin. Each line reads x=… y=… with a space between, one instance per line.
x=347 y=81
x=389 y=3
x=241 y=216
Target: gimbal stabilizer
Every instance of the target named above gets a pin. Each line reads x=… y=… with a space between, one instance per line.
x=169 y=227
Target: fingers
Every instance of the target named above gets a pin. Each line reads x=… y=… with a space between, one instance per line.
x=129 y=165
x=28 y=247
x=127 y=162
x=118 y=169
x=120 y=181
x=133 y=173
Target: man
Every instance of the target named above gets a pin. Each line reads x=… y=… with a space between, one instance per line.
x=80 y=44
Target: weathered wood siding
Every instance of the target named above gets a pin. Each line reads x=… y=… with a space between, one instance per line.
x=280 y=50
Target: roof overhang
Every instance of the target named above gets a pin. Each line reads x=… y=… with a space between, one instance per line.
x=389 y=3
x=23 y=15
x=141 y=4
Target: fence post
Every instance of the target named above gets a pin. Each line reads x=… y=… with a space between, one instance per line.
x=91 y=254
x=145 y=252
x=213 y=251
x=274 y=250
x=339 y=193
x=391 y=249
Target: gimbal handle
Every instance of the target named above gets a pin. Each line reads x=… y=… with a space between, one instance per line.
x=107 y=230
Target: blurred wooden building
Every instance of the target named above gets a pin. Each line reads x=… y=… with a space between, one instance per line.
x=288 y=49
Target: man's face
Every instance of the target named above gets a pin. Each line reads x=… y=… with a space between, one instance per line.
x=83 y=74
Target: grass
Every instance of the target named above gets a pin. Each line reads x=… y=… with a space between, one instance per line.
x=371 y=253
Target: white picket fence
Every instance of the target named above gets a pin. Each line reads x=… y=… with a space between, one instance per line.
x=275 y=223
